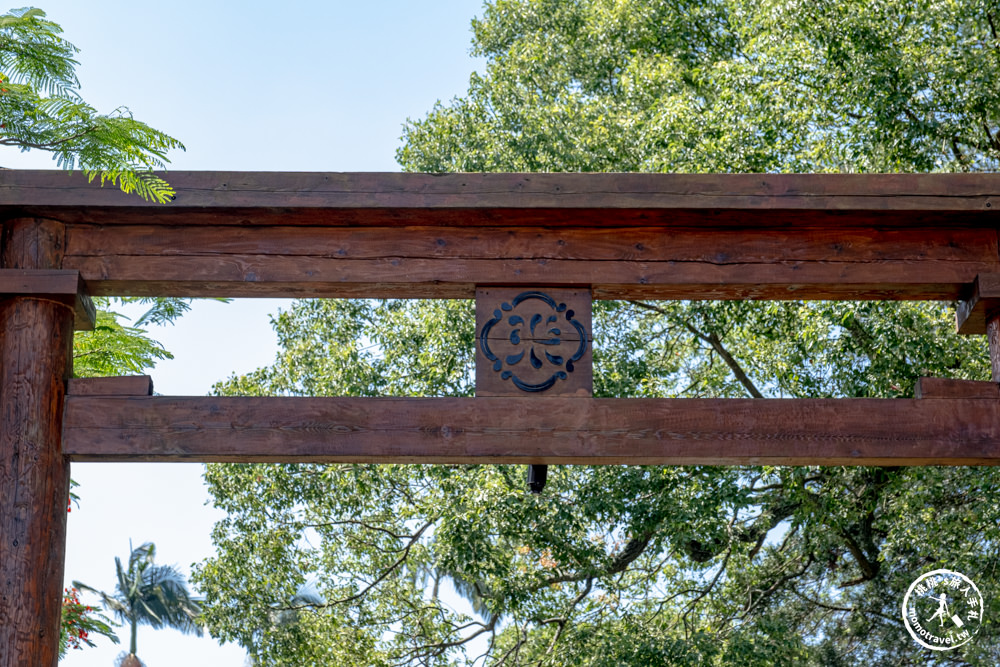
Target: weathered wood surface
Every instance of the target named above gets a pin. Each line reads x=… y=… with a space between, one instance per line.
x=466 y=199
x=35 y=348
x=53 y=284
x=577 y=376
x=928 y=387
x=981 y=301
x=129 y=385
x=429 y=262
x=535 y=430
x=655 y=236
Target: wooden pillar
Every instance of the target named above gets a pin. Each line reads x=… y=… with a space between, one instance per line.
x=36 y=335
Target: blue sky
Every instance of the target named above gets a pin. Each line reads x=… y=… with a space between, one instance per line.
x=250 y=86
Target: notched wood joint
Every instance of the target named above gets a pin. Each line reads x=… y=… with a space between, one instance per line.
x=982 y=304
x=59 y=285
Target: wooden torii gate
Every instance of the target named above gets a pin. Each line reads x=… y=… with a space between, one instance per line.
x=533 y=249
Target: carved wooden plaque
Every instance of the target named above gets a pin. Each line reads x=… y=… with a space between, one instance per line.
x=533 y=341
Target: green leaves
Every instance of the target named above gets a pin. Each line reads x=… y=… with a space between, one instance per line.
x=722 y=86
x=33 y=52
x=149 y=594
x=697 y=566
x=640 y=565
x=40 y=109
x=113 y=348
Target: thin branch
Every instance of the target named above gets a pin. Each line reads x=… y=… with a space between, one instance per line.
x=993 y=31
x=562 y=621
x=820 y=604
x=715 y=342
x=381 y=578
x=48 y=146
x=722 y=567
x=753 y=604
x=355 y=522
x=428 y=650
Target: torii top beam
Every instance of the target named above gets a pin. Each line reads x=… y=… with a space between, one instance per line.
x=665 y=236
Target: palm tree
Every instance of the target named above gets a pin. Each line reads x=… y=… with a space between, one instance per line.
x=154 y=595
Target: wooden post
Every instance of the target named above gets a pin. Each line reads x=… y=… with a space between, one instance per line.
x=36 y=335
x=534 y=342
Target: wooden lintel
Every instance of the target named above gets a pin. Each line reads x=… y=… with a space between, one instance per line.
x=535 y=430
x=651 y=262
x=130 y=385
x=628 y=236
x=64 y=286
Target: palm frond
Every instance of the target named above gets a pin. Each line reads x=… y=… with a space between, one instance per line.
x=151 y=594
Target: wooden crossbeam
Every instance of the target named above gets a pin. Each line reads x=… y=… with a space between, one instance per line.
x=982 y=304
x=930 y=431
x=650 y=236
x=447 y=262
x=956 y=389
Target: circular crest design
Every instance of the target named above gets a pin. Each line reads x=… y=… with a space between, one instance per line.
x=533 y=341
x=942 y=610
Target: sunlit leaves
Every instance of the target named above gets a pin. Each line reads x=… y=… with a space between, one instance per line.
x=114 y=348
x=641 y=565
x=41 y=109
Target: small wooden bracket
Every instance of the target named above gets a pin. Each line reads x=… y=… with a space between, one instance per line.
x=55 y=284
x=955 y=389
x=129 y=385
x=983 y=302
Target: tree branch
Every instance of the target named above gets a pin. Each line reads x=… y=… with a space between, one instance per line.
x=48 y=146
x=380 y=579
x=716 y=343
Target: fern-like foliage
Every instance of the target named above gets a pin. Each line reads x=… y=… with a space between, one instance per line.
x=41 y=109
x=114 y=348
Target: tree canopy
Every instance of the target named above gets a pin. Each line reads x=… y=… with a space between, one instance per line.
x=41 y=109
x=640 y=565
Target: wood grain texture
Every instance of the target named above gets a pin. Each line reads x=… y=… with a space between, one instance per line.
x=553 y=334
x=928 y=387
x=394 y=277
x=130 y=385
x=535 y=430
x=649 y=236
x=620 y=263
x=55 y=285
x=265 y=196
x=35 y=347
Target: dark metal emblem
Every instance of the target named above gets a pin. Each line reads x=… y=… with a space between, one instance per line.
x=533 y=341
